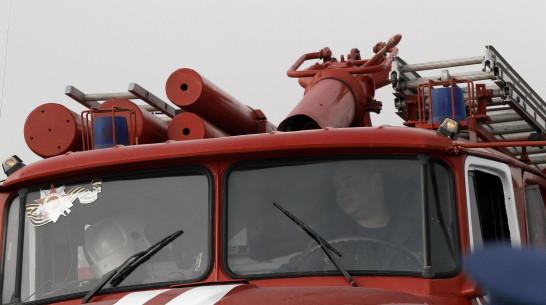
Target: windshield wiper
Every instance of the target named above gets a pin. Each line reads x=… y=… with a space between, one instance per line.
x=117 y=275
x=324 y=244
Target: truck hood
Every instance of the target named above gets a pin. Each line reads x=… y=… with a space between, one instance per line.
x=249 y=294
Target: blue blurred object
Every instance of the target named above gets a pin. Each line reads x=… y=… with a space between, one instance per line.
x=511 y=276
x=103 y=133
x=441 y=104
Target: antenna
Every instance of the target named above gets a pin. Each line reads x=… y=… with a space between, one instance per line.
x=5 y=59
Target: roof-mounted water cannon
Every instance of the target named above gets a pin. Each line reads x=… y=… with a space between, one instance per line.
x=340 y=93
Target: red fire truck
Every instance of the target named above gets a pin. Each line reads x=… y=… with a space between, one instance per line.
x=204 y=201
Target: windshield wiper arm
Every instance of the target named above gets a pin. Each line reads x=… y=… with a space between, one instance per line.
x=324 y=244
x=117 y=275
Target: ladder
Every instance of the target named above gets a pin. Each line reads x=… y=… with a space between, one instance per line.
x=514 y=111
x=153 y=105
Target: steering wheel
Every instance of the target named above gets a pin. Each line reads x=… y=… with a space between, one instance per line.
x=357 y=253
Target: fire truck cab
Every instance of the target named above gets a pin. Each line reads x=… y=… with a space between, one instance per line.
x=207 y=202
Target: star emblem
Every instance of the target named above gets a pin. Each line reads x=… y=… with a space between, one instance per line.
x=53 y=204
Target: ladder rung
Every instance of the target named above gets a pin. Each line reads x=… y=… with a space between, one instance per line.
x=501 y=111
x=473 y=76
x=531 y=150
x=442 y=64
x=509 y=128
x=497 y=109
x=538 y=158
x=501 y=118
x=497 y=92
x=496 y=102
x=513 y=136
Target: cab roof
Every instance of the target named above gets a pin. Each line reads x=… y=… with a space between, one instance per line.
x=380 y=139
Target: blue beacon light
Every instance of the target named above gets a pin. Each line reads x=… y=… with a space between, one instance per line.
x=441 y=104
x=103 y=134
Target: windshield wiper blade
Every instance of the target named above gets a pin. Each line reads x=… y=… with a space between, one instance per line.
x=117 y=275
x=324 y=244
x=142 y=257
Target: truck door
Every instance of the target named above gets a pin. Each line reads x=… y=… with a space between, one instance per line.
x=492 y=216
x=535 y=213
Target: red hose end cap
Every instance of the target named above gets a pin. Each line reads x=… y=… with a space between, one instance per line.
x=184 y=87
x=52 y=129
x=186 y=126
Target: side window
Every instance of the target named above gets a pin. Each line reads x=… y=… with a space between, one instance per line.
x=536 y=216
x=491 y=207
x=10 y=252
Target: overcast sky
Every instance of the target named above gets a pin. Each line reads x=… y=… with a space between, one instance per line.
x=244 y=47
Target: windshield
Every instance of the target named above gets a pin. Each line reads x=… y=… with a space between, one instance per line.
x=370 y=210
x=73 y=233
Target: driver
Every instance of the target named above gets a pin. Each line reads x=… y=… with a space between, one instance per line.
x=361 y=194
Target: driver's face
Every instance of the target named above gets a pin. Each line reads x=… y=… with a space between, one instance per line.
x=356 y=192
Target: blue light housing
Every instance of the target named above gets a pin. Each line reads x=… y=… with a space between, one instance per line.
x=103 y=134
x=441 y=104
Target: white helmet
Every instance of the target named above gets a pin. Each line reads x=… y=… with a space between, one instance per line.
x=109 y=242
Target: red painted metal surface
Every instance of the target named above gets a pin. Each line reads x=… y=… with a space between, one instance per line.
x=52 y=129
x=149 y=128
x=331 y=103
x=194 y=93
x=375 y=139
x=317 y=295
x=189 y=126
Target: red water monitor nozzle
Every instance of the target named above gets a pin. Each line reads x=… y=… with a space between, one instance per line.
x=340 y=93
